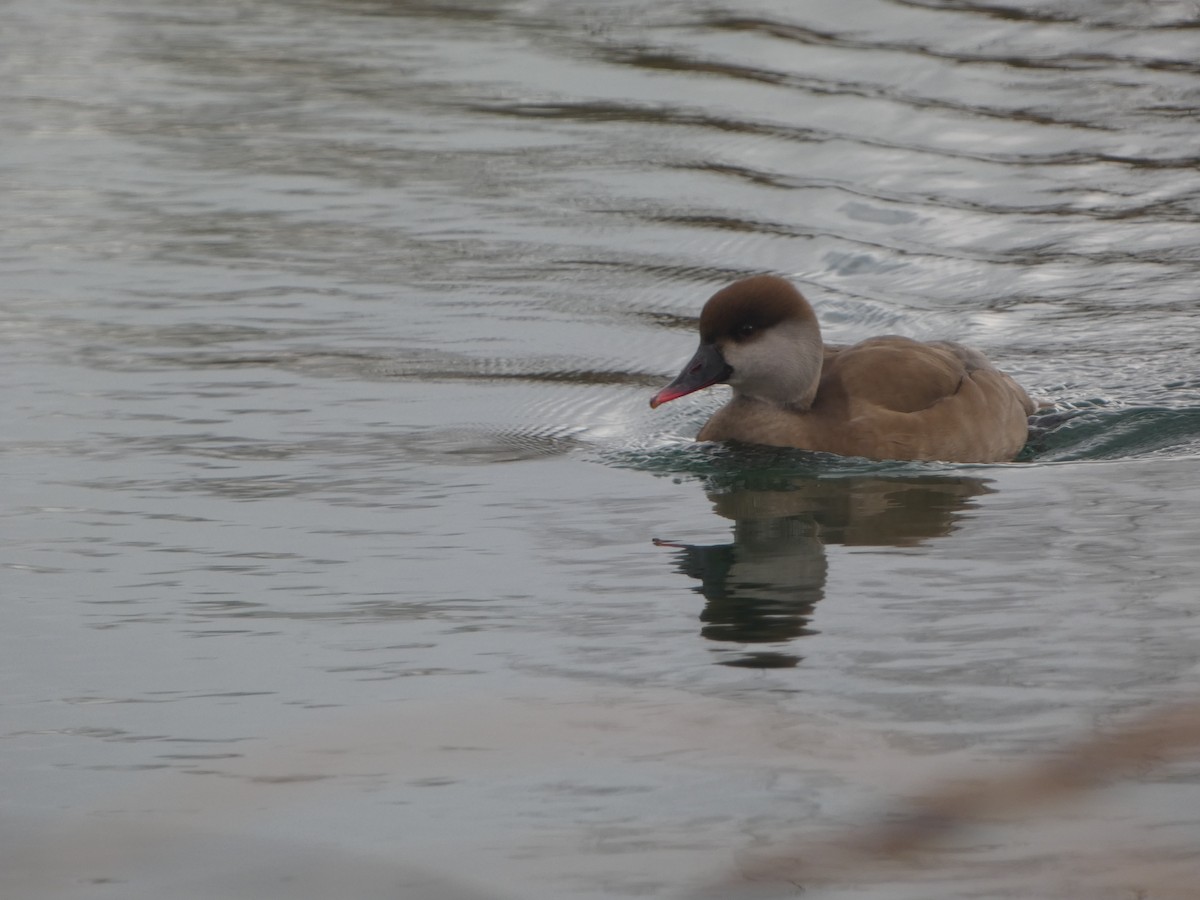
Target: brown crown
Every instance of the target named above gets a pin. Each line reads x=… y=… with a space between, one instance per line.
x=760 y=302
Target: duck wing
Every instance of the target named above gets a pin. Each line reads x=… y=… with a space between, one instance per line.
x=896 y=398
x=896 y=374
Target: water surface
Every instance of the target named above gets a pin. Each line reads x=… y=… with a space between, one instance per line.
x=344 y=555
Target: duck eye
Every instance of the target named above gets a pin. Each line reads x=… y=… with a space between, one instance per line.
x=744 y=331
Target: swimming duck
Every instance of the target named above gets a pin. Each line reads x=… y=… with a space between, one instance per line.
x=884 y=398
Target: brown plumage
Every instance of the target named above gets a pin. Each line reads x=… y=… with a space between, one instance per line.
x=884 y=398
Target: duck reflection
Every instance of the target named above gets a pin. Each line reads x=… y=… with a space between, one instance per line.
x=762 y=588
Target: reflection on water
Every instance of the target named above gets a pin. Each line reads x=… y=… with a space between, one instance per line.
x=759 y=589
x=762 y=587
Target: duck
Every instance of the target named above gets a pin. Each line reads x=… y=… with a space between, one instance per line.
x=884 y=398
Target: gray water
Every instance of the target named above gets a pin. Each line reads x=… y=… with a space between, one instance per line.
x=343 y=555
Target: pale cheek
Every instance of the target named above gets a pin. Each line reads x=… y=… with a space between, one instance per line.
x=747 y=362
x=740 y=365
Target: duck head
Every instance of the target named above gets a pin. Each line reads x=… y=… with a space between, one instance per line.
x=760 y=336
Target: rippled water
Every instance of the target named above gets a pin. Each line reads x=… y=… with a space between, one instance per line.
x=344 y=556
